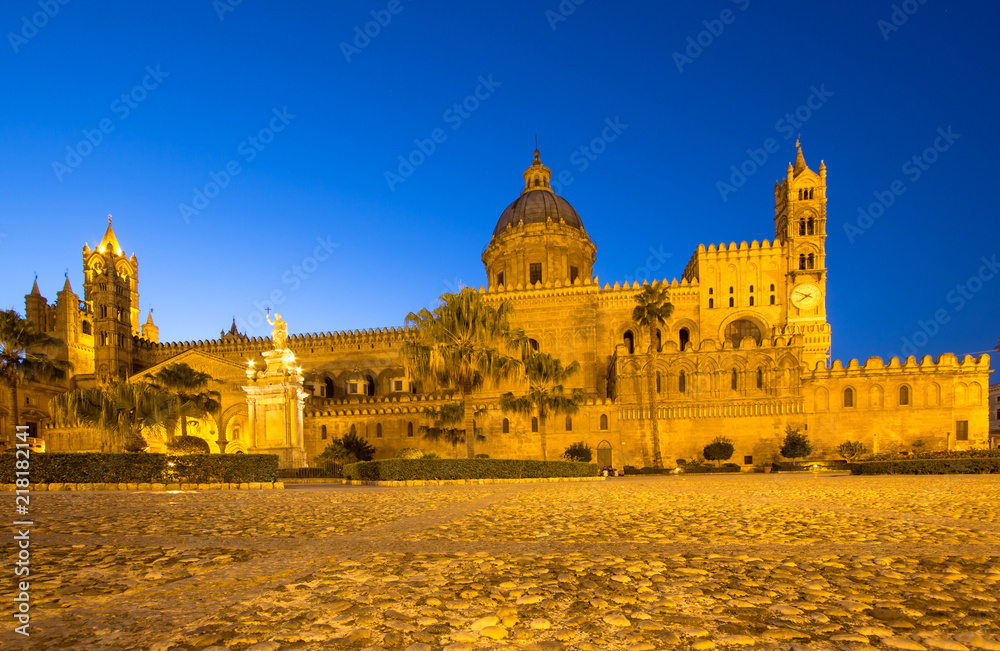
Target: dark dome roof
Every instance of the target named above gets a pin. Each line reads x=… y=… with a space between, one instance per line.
x=535 y=207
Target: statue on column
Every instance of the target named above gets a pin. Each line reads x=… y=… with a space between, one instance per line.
x=279 y=335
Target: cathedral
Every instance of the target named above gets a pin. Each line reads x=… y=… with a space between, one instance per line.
x=745 y=354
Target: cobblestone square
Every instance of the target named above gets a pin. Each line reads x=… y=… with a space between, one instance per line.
x=779 y=561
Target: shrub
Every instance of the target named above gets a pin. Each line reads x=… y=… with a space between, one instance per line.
x=578 y=451
x=851 y=450
x=412 y=469
x=150 y=468
x=431 y=455
x=188 y=445
x=482 y=456
x=945 y=466
x=409 y=453
x=681 y=462
x=357 y=446
x=796 y=445
x=720 y=449
x=135 y=443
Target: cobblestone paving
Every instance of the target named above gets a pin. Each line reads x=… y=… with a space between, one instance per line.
x=761 y=561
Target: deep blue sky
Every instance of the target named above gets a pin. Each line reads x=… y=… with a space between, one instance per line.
x=398 y=249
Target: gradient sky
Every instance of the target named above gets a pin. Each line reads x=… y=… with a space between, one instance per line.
x=879 y=96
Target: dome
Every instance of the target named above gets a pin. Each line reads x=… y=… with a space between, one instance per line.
x=537 y=203
x=536 y=208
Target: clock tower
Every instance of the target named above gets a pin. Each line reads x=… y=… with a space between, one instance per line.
x=800 y=226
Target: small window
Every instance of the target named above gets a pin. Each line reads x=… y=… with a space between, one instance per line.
x=27 y=400
x=710 y=291
x=760 y=378
x=658 y=382
x=751 y=289
x=574 y=273
x=811 y=261
x=685 y=337
x=904 y=395
x=730 y=290
x=802 y=262
x=810 y=226
x=322 y=432
x=535 y=271
x=772 y=299
x=772 y=287
x=354 y=430
x=352 y=387
x=751 y=301
x=711 y=303
x=734 y=381
x=682 y=382
x=659 y=342
x=569 y=423
x=998 y=414
x=86 y=328
x=961 y=430
x=397 y=385
x=629 y=342
x=378 y=430
x=506 y=426
x=848 y=397
x=534 y=424
x=500 y=278
x=748 y=460
x=731 y=303
x=409 y=430
x=604 y=420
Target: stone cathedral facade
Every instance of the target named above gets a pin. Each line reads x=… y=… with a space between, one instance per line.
x=745 y=354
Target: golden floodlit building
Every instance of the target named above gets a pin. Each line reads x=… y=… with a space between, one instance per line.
x=745 y=354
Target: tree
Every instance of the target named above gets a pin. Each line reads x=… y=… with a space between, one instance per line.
x=546 y=393
x=349 y=448
x=121 y=411
x=446 y=420
x=719 y=450
x=464 y=343
x=188 y=445
x=23 y=359
x=653 y=308
x=851 y=450
x=188 y=387
x=795 y=445
x=578 y=451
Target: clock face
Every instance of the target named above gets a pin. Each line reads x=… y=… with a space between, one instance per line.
x=806 y=296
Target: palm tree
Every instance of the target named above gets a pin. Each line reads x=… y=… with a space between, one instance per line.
x=653 y=308
x=22 y=358
x=446 y=420
x=546 y=392
x=120 y=410
x=463 y=343
x=186 y=385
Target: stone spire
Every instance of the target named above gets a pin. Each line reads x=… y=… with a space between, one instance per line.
x=34 y=288
x=537 y=176
x=800 y=160
x=66 y=286
x=109 y=238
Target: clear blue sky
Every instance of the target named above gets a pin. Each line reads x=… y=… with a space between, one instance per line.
x=392 y=247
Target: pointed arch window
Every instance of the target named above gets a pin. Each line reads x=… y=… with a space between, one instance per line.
x=904 y=395
x=810 y=226
x=848 y=397
x=534 y=424
x=569 y=423
x=629 y=340
x=659 y=341
x=802 y=261
x=751 y=301
x=328 y=385
x=378 y=430
x=604 y=421
x=322 y=432
x=409 y=430
x=802 y=227
x=772 y=299
x=711 y=303
x=760 y=378
x=658 y=382
x=505 y=426
x=682 y=382
x=685 y=337
x=734 y=381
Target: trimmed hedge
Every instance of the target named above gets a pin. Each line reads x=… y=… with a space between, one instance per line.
x=412 y=469
x=142 y=468
x=927 y=467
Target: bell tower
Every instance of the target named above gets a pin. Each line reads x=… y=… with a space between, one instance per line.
x=110 y=285
x=800 y=226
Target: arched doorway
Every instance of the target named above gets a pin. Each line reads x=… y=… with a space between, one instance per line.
x=604 y=455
